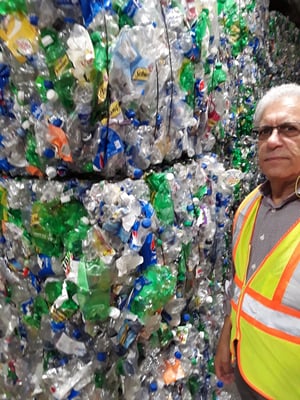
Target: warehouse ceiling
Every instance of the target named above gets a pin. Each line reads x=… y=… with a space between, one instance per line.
x=289 y=8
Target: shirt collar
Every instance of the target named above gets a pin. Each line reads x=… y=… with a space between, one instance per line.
x=265 y=190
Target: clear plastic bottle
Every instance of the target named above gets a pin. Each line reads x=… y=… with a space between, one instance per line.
x=81 y=52
x=139 y=233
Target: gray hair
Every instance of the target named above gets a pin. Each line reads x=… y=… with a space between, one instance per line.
x=286 y=89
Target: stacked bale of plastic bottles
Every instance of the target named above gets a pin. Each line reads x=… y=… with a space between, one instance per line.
x=125 y=145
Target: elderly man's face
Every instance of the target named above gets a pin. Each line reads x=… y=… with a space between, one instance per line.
x=279 y=151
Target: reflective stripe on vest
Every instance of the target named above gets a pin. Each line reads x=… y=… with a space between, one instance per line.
x=271 y=318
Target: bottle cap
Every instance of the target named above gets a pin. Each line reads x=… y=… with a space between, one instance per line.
x=186 y=317
x=48 y=84
x=51 y=172
x=26 y=124
x=101 y=356
x=146 y=223
x=137 y=173
x=190 y=207
x=49 y=153
x=34 y=19
x=153 y=386
x=57 y=326
x=130 y=113
x=170 y=176
x=51 y=95
x=56 y=122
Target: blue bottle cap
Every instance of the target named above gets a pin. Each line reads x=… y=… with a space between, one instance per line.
x=56 y=122
x=146 y=223
x=153 y=386
x=34 y=19
x=130 y=113
x=158 y=119
x=57 y=326
x=101 y=356
x=49 y=153
x=136 y=123
x=178 y=355
x=137 y=173
x=190 y=207
x=186 y=317
x=48 y=84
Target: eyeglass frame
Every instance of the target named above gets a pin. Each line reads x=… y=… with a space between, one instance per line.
x=282 y=130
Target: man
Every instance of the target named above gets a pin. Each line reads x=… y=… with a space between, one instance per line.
x=259 y=344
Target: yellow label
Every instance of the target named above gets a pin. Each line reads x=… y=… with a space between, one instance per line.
x=141 y=74
x=114 y=111
x=19 y=35
x=56 y=314
x=3 y=204
x=61 y=65
x=3 y=197
x=102 y=91
x=35 y=219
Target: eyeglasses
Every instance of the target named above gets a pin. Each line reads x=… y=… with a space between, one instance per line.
x=286 y=129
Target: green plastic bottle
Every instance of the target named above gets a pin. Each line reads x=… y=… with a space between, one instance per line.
x=44 y=226
x=218 y=77
x=60 y=66
x=152 y=291
x=93 y=295
x=35 y=164
x=161 y=197
x=187 y=81
x=76 y=234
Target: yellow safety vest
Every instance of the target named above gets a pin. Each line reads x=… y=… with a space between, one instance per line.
x=266 y=310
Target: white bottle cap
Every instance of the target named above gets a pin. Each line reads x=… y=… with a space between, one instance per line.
x=51 y=172
x=51 y=95
x=26 y=124
x=170 y=176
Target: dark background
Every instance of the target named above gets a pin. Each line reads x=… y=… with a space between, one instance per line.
x=289 y=8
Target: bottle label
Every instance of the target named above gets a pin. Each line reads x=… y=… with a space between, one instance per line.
x=61 y=65
x=102 y=91
x=19 y=35
x=141 y=74
x=109 y=147
x=3 y=204
x=58 y=139
x=131 y=8
x=115 y=112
